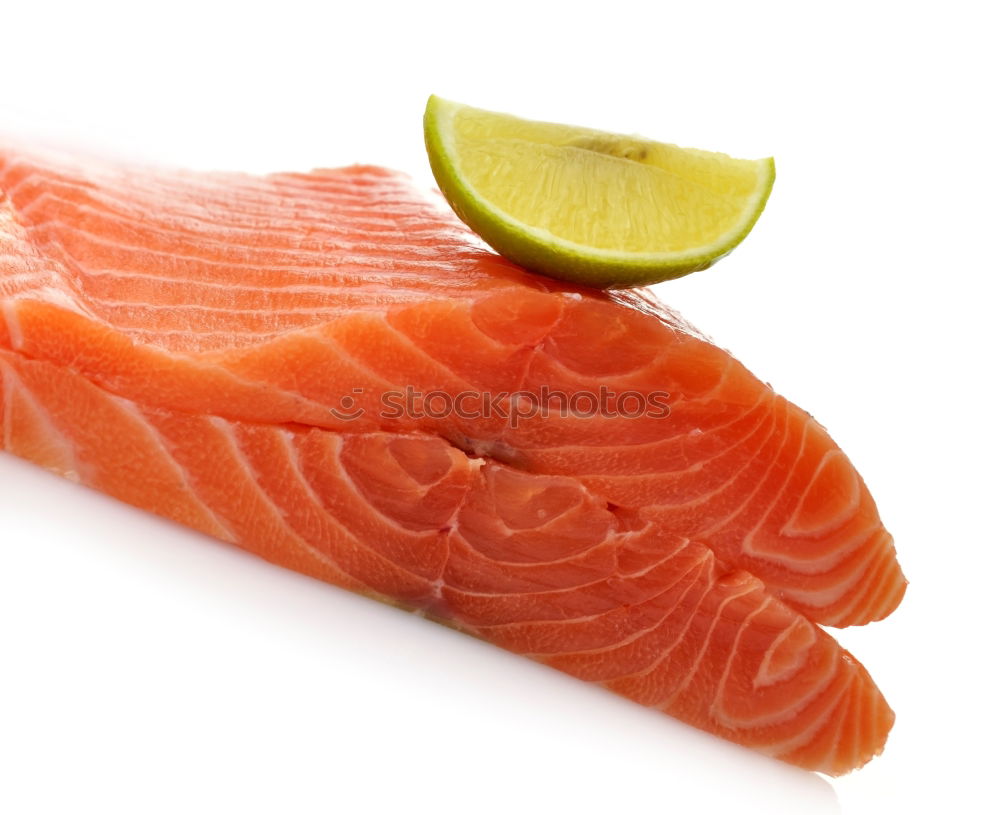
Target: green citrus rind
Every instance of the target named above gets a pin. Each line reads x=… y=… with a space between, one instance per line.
x=543 y=252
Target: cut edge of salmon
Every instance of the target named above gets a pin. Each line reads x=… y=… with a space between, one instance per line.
x=834 y=728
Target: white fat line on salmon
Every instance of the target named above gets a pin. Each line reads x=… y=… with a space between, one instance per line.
x=13 y=324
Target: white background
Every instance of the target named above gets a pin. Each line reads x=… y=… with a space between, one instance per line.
x=144 y=669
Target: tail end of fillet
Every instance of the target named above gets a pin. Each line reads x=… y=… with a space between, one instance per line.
x=856 y=731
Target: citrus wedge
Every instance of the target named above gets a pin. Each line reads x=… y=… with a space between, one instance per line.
x=596 y=208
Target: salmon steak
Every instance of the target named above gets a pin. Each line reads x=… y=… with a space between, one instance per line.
x=332 y=372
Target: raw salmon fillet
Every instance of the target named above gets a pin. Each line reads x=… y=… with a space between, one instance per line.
x=219 y=348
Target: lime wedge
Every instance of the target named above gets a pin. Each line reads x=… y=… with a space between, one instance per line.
x=596 y=208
